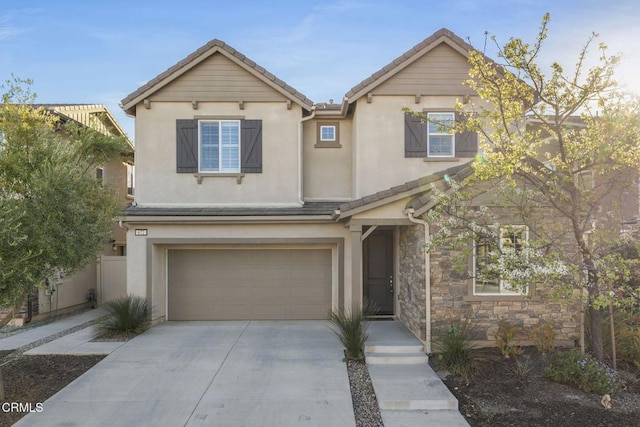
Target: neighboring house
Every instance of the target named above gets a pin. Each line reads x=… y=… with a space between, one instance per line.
x=255 y=203
x=70 y=292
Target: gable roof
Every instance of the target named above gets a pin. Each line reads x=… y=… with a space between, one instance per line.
x=206 y=51
x=419 y=189
x=418 y=51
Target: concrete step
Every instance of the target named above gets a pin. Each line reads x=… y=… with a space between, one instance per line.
x=410 y=388
x=394 y=349
x=396 y=358
x=423 y=418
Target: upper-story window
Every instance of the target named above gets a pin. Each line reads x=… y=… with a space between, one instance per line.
x=328 y=135
x=131 y=182
x=430 y=137
x=219 y=145
x=440 y=140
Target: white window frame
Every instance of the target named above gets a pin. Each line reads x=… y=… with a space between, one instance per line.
x=333 y=128
x=504 y=287
x=429 y=134
x=220 y=147
x=131 y=179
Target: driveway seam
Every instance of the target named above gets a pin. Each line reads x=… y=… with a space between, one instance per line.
x=216 y=374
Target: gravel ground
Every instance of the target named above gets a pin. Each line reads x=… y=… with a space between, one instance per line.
x=365 y=403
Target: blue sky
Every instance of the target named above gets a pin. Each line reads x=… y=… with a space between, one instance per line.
x=99 y=51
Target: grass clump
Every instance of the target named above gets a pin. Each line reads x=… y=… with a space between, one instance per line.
x=582 y=371
x=350 y=326
x=456 y=352
x=128 y=317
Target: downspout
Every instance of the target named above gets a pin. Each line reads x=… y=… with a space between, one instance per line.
x=427 y=279
x=300 y=152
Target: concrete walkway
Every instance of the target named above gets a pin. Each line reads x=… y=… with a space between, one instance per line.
x=281 y=373
x=56 y=327
x=409 y=392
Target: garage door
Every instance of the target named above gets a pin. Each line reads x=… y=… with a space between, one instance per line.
x=248 y=284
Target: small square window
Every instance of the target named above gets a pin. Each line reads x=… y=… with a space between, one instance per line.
x=328 y=135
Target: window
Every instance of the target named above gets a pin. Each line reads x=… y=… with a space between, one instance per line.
x=219 y=145
x=328 y=135
x=130 y=180
x=490 y=255
x=440 y=142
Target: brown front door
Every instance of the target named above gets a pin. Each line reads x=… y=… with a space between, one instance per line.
x=377 y=254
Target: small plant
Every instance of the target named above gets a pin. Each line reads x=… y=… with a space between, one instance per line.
x=582 y=371
x=505 y=337
x=543 y=336
x=350 y=326
x=456 y=353
x=522 y=368
x=128 y=317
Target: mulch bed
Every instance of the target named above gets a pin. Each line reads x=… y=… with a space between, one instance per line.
x=497 y=397
x=33 y=379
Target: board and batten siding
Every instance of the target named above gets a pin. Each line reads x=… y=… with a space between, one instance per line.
x=439 y=72
x=217 y=79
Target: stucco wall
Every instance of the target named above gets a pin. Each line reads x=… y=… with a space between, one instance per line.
x=327 y=171
x=379 y=161
x=158 y=183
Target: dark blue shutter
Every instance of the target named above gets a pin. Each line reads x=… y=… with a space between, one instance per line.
x=186 y=146
x=251 y=146
x=466 y=142
x=415 y=136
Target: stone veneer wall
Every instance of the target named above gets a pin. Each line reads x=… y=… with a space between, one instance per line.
x=451 y=300
x=411 y=280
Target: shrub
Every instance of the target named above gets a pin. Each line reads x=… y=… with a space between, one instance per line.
x=350 y=326
x=582 y=371
x=504 y=339
x=522 y=368
x=456 y=353
x=543 y=336
x=128 y=316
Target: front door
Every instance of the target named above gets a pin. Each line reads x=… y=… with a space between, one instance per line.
x=377 y=270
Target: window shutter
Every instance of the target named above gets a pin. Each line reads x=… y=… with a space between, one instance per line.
x=466 y=142
x=251 y=146
x=186 y=146
x=415 y=136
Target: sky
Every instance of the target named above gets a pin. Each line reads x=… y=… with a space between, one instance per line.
x=99 y=51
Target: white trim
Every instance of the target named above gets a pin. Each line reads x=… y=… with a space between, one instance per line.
x=452 y=135
x=328 y=139
x=220 y=168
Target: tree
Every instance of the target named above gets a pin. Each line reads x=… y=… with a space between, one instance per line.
x=54 y=213
x=564 y=145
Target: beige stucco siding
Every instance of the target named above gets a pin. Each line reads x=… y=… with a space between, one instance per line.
x=379 y=161
x=217 y=79
x=158 y=183
x=327 y=171
x=440 y=72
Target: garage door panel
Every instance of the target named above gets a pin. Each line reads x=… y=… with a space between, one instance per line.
x=241 y=284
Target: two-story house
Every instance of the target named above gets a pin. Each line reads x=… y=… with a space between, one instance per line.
x=255 y=203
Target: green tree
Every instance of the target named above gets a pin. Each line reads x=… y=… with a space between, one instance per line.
x=564 y=145
x=54 y=213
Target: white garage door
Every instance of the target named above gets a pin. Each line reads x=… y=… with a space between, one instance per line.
x=249 y=284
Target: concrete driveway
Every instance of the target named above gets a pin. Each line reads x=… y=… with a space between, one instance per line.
x=257 y=373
